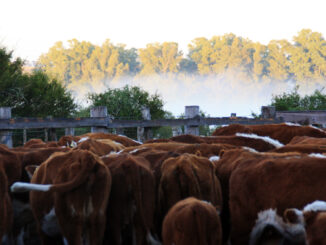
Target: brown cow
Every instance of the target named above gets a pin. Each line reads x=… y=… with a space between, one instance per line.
x=192 y=221
x=69 y=197
x=313 y=219
x=283 y=132
x=6 y=212
x=100 y=148
x=131 y=205
x=302 y=148
x=156 y=159
x=307 y=140
x=185 y=176
x=124 y=140
x=278 y=183
x=68 y=140
x=204 y=150
x=253 y=141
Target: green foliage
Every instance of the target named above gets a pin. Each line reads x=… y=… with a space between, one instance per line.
x=127 y=103
x=31 y=95
x=292 y=101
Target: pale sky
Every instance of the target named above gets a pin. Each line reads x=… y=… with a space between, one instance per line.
x=31 y=27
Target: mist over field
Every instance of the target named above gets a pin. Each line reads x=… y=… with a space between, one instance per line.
x=217 y=95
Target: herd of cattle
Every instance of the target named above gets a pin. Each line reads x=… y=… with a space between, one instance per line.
x=246 y=184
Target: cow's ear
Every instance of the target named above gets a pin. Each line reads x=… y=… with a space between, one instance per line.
x=309 y=217
x=30 y=169
x=221 y=153
x=198 y=153
x=293 y=216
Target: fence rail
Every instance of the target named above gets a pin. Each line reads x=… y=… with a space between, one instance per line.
x=100 y=121
x=33 y=123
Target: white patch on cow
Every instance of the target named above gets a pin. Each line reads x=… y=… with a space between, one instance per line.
x=50 y=224
x=24 y=187
x=206 y=202
x=315 y=206
x=292 y=124
x=151 y=240
x=316 y=128
x=20 y=237
x=318 y=155
x=83 y=139
x=88 y=208
x=117 y=143
x=265 y=218
x=73 y=210
x=214 y=158
x=73 y=144
x=63 y=146
x=131 y=139
x=249 y=149
x=289 y=231
x=65 y=242
x=134 y=151
x=267 y=139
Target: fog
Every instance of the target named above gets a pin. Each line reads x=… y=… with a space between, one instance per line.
x=217 y=95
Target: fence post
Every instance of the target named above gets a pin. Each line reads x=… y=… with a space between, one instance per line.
x=99 y=111
x=190 y=112
x=24 y=136
x=144 y=133
x=70 y=131
x=53 y=134
x=268 y=112
x=5 y=136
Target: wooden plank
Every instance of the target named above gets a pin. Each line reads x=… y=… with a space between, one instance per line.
x=308 y=117
x=21 y=123
x=30 y=123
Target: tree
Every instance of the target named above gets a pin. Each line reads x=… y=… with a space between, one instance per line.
x=292 y=101
x=127 y=103
x=34 y=95
x=160 y=58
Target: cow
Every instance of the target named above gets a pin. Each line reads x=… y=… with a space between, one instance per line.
x=6 y=211
x=270 y=228
x=170 y=146
x=256 y=142
x=118 y=138
x=156 y=159
x=131 y=204
x=312 y=218
x=204 y=150
x=276 y=183
x=185 y=176
x=283 y=132
x=192 y=221
x=68 y=140
x=229 y=160
x=307 y=140
x=302 y=148
x=69 y=196
x=100 y=148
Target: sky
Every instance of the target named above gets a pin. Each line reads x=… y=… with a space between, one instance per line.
x=31 y=27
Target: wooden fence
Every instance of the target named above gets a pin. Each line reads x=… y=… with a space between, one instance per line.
x=100 y=121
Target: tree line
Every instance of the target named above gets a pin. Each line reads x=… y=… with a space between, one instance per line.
x=303 y=59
